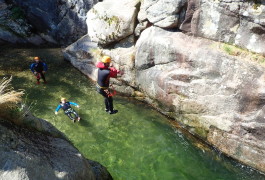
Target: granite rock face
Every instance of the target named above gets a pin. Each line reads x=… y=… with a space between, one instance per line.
x=217 y=96
x=241 y=23
x=59 y=22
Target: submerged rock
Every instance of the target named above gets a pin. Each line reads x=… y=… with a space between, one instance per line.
x=30 y=154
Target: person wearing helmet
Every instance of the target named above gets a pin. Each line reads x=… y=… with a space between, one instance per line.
x=68 y=110
x=105 y=72
x=39 y=68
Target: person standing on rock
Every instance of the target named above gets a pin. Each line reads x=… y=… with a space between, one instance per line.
x=105 y=72
x=68 y=110
x=39 y=68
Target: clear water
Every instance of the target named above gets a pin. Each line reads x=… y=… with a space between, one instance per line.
x=136 y=143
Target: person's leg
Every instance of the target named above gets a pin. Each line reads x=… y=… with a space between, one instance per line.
x=69 y=114
x=43 y=77
x=104 y=94
x=38 y=78
x=106 y=101
x=76 y=115
x=110 y=103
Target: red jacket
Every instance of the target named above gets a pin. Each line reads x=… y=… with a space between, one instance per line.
x=113 y=72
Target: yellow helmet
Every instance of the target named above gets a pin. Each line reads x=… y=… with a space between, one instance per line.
x=36 y=58
x=63 y=99
x=106 y=59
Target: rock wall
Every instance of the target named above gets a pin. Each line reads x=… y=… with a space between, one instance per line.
x=15 y=29
x=45 y=21
x=239 y=22
x=32 y=148
x=216 y=96
x=63 y=20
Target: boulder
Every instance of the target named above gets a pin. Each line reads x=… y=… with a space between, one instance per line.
x=29 y=154
x=123 y=59
x=162 y=13
x=205 y=89
x=111 y=21
x=79 y=54
x=84 y=55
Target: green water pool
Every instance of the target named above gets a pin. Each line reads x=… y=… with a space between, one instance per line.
x=136 y=143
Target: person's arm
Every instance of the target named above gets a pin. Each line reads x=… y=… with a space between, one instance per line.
x=113 y=72
x=72 y=103
x=57 y=109
x=32 y=67
x=45 y=67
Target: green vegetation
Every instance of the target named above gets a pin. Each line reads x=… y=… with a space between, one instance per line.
x=9 y=99
x=5 y=27
x=113 y=19
x=256 y=3
x=96 y=53
x=17 y=13
x=242 y=53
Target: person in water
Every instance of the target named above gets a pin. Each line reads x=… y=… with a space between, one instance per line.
x=39 y=68
x=105 y=72
x=68 y=110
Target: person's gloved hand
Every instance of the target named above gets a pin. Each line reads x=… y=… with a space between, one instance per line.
x=78 y=106
x=56 y=112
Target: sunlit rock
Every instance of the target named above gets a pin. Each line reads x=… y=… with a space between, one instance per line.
x=26 y=153
x=161 y=13
x=206 y=89
x=236 y=22
x=111 y=21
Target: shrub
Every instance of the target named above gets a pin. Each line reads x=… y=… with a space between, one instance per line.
x=9 y=98
x=17 y=13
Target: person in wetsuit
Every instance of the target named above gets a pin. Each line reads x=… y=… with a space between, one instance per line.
x=39 y=68
x=68 y=110
x=105 y=72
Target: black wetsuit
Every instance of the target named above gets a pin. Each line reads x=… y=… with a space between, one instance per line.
x=103 y=84
x=39 y=68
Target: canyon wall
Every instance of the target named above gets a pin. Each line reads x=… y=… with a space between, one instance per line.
x=172 y=54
